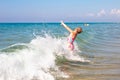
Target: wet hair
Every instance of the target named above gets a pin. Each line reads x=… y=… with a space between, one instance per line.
x=79 y=30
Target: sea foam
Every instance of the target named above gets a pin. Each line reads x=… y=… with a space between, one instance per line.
x=37 y=60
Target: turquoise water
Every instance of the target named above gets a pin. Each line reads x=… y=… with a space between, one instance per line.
x=38 y=51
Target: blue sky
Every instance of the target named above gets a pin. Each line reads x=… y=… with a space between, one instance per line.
x=56 y=10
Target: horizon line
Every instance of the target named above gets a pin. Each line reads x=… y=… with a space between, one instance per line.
x=65 y=22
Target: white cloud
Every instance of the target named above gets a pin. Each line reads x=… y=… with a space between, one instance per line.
x=98 y=14
x=101 y=13
x=115 y=12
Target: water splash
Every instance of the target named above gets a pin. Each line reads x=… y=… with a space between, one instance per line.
x=36 y=60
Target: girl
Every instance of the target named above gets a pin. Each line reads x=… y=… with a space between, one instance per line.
x=72 y=36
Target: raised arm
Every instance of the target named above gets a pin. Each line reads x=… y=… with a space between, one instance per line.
x=65 y=26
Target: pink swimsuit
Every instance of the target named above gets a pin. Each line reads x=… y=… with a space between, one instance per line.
x=70 y=42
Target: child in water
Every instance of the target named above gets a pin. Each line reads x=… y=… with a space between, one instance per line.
x=72 y=36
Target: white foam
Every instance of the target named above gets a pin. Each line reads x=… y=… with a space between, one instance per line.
x=36 y=61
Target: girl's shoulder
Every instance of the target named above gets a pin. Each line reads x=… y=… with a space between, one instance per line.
x=73 y=35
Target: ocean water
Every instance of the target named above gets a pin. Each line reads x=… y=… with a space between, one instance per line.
x=38 y=51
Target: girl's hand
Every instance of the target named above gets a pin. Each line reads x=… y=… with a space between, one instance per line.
x=62 y=23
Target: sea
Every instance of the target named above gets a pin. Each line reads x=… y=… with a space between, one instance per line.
x=38 y=51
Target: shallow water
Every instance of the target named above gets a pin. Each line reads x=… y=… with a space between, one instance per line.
x=38 y=51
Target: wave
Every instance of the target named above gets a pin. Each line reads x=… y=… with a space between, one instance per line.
x=36 y=59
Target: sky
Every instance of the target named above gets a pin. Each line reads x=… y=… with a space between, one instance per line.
x=57 y=10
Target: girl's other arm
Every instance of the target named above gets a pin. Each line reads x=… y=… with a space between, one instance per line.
x=65 y=26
